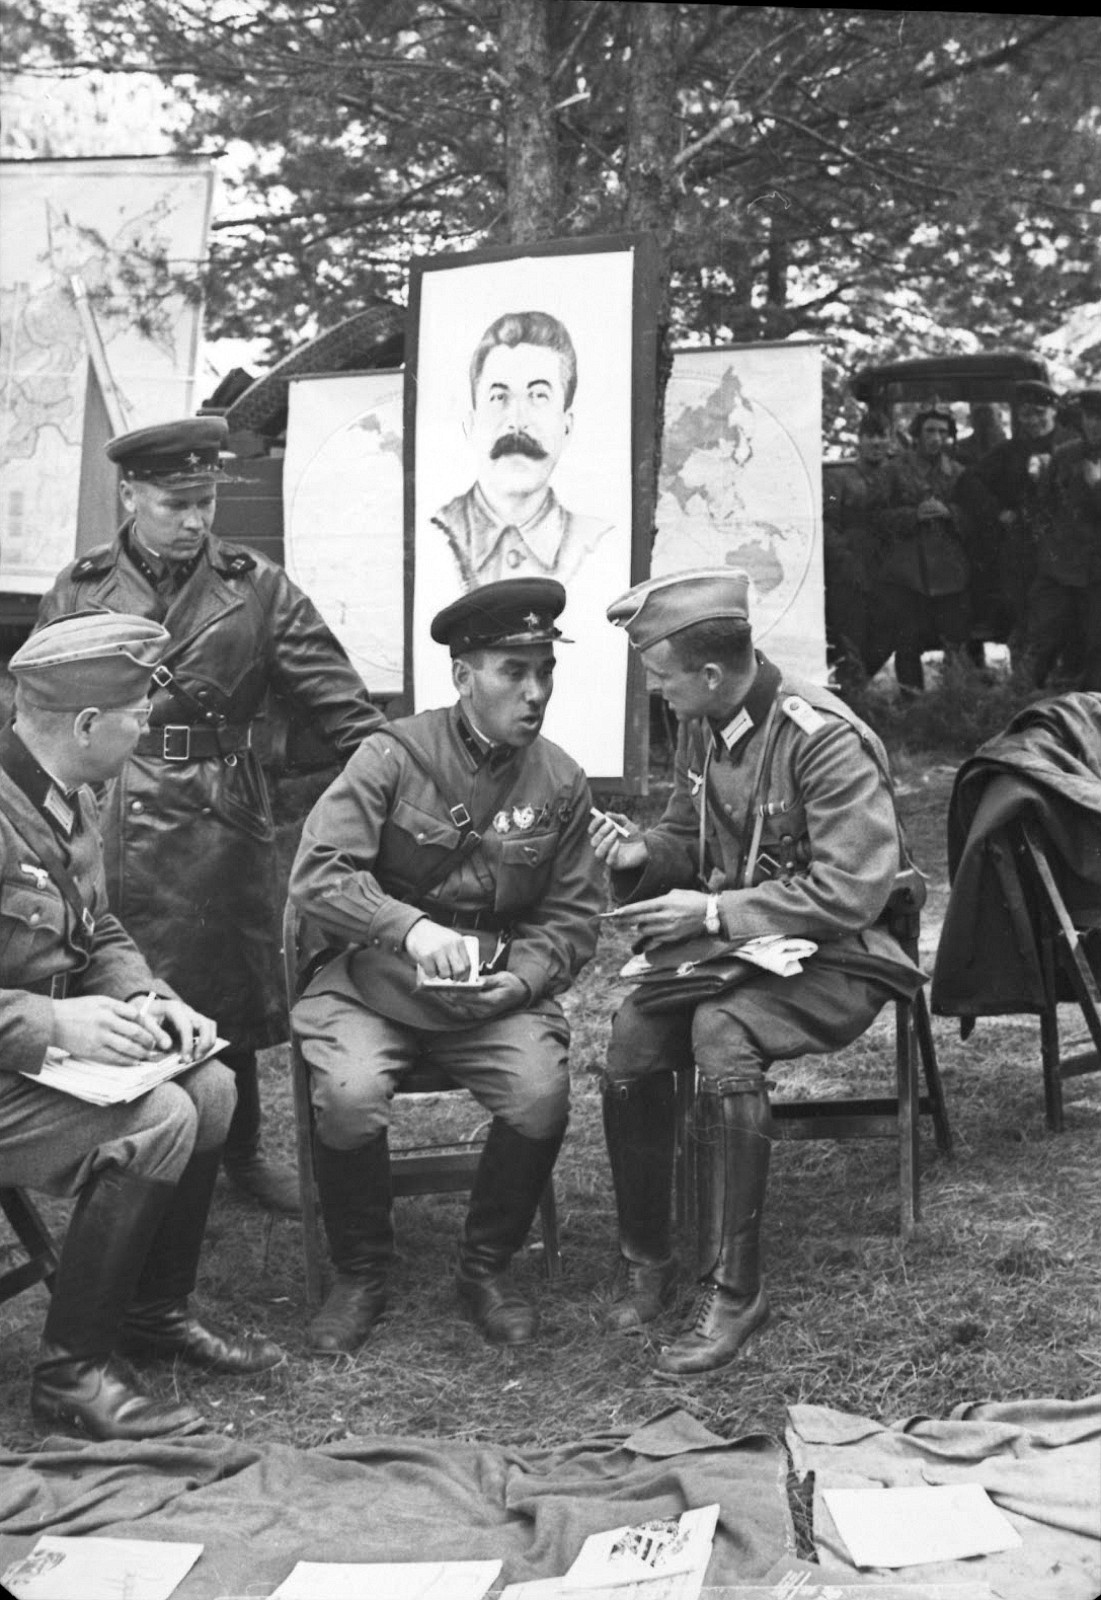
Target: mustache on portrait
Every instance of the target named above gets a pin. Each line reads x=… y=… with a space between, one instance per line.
x=517 y=444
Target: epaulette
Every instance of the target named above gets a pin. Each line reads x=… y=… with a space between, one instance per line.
x=234 y=563
x=94 y=565
x=802 y=713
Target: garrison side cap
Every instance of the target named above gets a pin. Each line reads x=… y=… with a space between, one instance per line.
x=659 y=607
x=89 y=658
x=181 y=454
x=496 y=616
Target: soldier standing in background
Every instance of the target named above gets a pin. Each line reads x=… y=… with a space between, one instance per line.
x=851 y=537
x=1065 y=601
x=188 y=829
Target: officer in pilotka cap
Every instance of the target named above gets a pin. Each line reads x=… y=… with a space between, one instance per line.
x=191 y=861
x=462 y=821
x=781 y=821
x=71 y=979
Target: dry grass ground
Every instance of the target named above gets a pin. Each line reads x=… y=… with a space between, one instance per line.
x=996 y=1296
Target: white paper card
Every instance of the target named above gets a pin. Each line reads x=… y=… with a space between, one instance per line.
x=657 y=1549
x=100 y=1569
x=389 y=1580
x=909 y=1526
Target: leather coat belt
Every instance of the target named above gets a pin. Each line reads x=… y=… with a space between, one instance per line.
x=176 y=741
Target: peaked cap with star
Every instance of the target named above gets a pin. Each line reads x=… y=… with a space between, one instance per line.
x=498 y=616
x=179 y=455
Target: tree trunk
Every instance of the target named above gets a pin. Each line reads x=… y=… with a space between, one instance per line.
x=650 y=176
x=531 y=165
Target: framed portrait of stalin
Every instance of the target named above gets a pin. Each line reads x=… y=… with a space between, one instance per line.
x=529 y=437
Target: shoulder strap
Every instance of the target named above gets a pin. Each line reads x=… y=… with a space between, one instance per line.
x=469 y=836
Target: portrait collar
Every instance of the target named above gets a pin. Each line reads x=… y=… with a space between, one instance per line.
x=542 y=532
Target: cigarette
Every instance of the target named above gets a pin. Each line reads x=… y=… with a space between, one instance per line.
x=602 y=816
x=146 y=1004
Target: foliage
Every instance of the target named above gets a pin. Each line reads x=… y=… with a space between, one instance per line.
x=907 y=181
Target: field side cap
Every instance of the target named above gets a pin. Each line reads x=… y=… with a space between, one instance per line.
x=91 y=658
x=181 y=454
x=496 y=616
x=653 y=610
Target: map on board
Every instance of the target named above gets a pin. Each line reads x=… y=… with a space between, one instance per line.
x=343 y=499
x=126 y=228
x=739 y=486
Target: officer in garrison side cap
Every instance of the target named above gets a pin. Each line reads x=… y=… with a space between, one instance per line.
x=781 y=822
x=71 y=978
x=461 y=823
x=191 y=864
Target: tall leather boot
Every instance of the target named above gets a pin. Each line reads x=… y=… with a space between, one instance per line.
x=160 y=1320
x=248 y=1169
x=356 y=1192
x=510 y=1179
x=640 y=1132
x=733 y=1130
x=74 y=1387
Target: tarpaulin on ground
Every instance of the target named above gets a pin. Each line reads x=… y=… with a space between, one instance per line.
x=257 y=1509
x=1039 y=1460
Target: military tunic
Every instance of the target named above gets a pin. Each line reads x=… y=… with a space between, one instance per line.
x=552 y=543
x=526 y=875
x=71 y=944
x=190 y=843
x=815 y=839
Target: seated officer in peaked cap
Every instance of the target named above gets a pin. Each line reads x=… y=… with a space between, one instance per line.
x=781 y=821
x=190 y=844
x=461 y=821
x=71 y=978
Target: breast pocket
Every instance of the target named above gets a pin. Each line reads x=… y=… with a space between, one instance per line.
x=525 y=872
x=413 y=844
x=32 y=925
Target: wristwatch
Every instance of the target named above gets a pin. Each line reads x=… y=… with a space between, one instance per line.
x=711 y=921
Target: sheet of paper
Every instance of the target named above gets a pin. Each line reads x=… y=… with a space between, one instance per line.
x=681 y=1586
x=102 y=1084
x=658 y=1549
x=100 y=1569
x=906 y=1527
x=389 y=1580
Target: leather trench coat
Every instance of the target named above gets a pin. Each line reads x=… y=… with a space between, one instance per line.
x=190 y=844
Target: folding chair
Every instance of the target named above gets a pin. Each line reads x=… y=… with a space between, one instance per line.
x=423 y=1169
x=894 y=1116
x=1062 y=956
x=35 y=1237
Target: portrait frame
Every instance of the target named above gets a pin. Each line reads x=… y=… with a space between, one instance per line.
x=604 y=291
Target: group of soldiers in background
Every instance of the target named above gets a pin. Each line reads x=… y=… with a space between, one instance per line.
x=930 y=544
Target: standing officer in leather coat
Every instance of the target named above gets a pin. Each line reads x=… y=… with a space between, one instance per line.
x=781 y=821
x=142 y=1172
x=462 y=820
x=188 y=830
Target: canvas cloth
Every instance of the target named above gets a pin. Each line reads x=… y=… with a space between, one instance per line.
x=257 y=1509
x=1039 y=1460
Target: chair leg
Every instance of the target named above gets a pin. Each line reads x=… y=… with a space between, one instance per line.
x=923 y=1031
x=908 y=1153
x=548 y=1217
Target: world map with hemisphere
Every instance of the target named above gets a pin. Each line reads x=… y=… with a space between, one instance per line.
x=733 y=491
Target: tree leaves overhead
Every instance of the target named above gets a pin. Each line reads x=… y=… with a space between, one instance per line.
x=914 y=180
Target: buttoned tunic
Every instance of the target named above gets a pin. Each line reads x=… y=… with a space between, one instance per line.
x=925 y=556
x=553 y=543
x=190 y=843
x=50 y=1140
x=526 y=874
x=825 y=862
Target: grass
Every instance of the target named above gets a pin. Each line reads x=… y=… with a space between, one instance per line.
x=996 y=1297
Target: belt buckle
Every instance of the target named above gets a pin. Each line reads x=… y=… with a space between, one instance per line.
x=176 y=741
